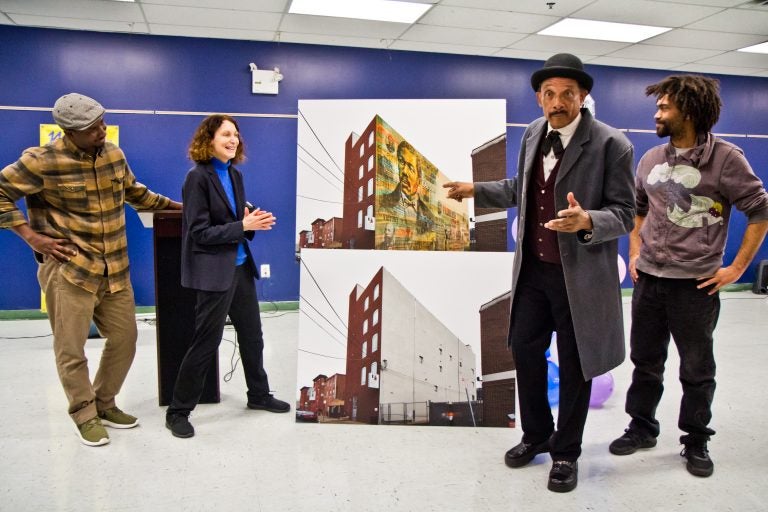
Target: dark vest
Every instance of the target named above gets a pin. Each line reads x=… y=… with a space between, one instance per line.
x=541 y=242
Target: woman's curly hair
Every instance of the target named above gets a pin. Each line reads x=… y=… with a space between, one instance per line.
x=200 y=147
x=697 y=97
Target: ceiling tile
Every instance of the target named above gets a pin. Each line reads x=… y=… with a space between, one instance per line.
x=80 y=24
x=740 y=59
x=719 y=70
x=712 y=3
x=83 y=9
x=515 y=53
x=685 y=38
x=418 y=46
x=484 y=19
x=341 y=26
x=199 y=17
x=555 y=44
x=671 y=54
x=758 y=5
x=740 y=21
x=356 y=42
x=644 y=12
x=527 y=6
x=161 y=29
x=460 y=36
x=500 y=28
x=240 y=5
x=635 y=63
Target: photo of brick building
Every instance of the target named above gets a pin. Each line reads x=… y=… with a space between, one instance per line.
x=489 y=163
x=400 y=357
x=325 y=234
x=497 y=363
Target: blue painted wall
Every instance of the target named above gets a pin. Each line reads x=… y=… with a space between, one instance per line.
x=137 y=72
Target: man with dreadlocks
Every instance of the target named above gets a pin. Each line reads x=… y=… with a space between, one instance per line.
x=685 y=191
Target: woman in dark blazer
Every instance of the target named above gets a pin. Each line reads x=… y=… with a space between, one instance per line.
x=217 y=263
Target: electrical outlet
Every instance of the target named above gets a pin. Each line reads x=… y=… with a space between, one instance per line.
x=265 y=272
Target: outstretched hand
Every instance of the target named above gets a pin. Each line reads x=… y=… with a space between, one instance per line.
x=572 y=219
x=458 y=190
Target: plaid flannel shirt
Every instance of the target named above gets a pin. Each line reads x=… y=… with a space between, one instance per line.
x=70 y=194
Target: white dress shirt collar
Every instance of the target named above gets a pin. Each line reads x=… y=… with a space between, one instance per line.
x=566 y=132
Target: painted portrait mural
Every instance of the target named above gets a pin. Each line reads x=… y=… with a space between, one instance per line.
x=371 y=172
x=394 y=198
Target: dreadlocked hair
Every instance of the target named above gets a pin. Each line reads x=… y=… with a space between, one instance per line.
x=697 y=97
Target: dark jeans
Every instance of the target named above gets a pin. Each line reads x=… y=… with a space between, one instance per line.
x=540 y=308
x=662 y=307
x=242 y=305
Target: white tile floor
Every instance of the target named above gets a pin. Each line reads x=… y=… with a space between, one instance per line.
x=258 y=461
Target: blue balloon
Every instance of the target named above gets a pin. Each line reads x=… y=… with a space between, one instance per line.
x=553 y=383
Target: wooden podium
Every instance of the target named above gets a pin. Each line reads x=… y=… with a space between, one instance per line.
x=174 y=310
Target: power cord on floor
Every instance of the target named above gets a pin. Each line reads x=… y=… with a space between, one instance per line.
x=148 y=321
x=25 y=337
x=233 y=359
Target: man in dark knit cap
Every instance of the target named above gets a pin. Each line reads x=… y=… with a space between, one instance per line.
x=76 y=188
x=575 y=197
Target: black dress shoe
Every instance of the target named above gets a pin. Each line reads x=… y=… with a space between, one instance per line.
x=271 y=404
x=524 y=453
x=563 y=476
x=179 y=425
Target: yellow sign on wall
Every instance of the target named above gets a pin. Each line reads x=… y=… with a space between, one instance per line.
x=51 y=132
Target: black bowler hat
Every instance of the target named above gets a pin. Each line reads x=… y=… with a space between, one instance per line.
x=562 y=65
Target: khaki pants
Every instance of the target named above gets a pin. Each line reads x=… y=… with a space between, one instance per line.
x=70 y=311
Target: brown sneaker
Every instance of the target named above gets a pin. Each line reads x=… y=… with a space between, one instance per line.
x=92 y=432
x=116 y=418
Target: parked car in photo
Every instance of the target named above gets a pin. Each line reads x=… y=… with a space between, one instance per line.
x=306 y=416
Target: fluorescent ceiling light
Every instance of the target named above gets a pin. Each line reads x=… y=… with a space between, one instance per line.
x=757 y=48
x=377 y=10
x=602 y=30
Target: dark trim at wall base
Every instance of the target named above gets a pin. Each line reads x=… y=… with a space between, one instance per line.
x=35 y=314
x=22 y=314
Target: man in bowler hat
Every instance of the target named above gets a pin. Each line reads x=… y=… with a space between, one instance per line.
x=575 y=197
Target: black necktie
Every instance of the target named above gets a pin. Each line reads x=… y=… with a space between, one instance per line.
x=552 y=141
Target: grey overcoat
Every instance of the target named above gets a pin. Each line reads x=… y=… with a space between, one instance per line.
x=597 y=168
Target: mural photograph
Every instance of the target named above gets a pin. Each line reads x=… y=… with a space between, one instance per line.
x=410 y=212
x=382 y=342
x=370 y=172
